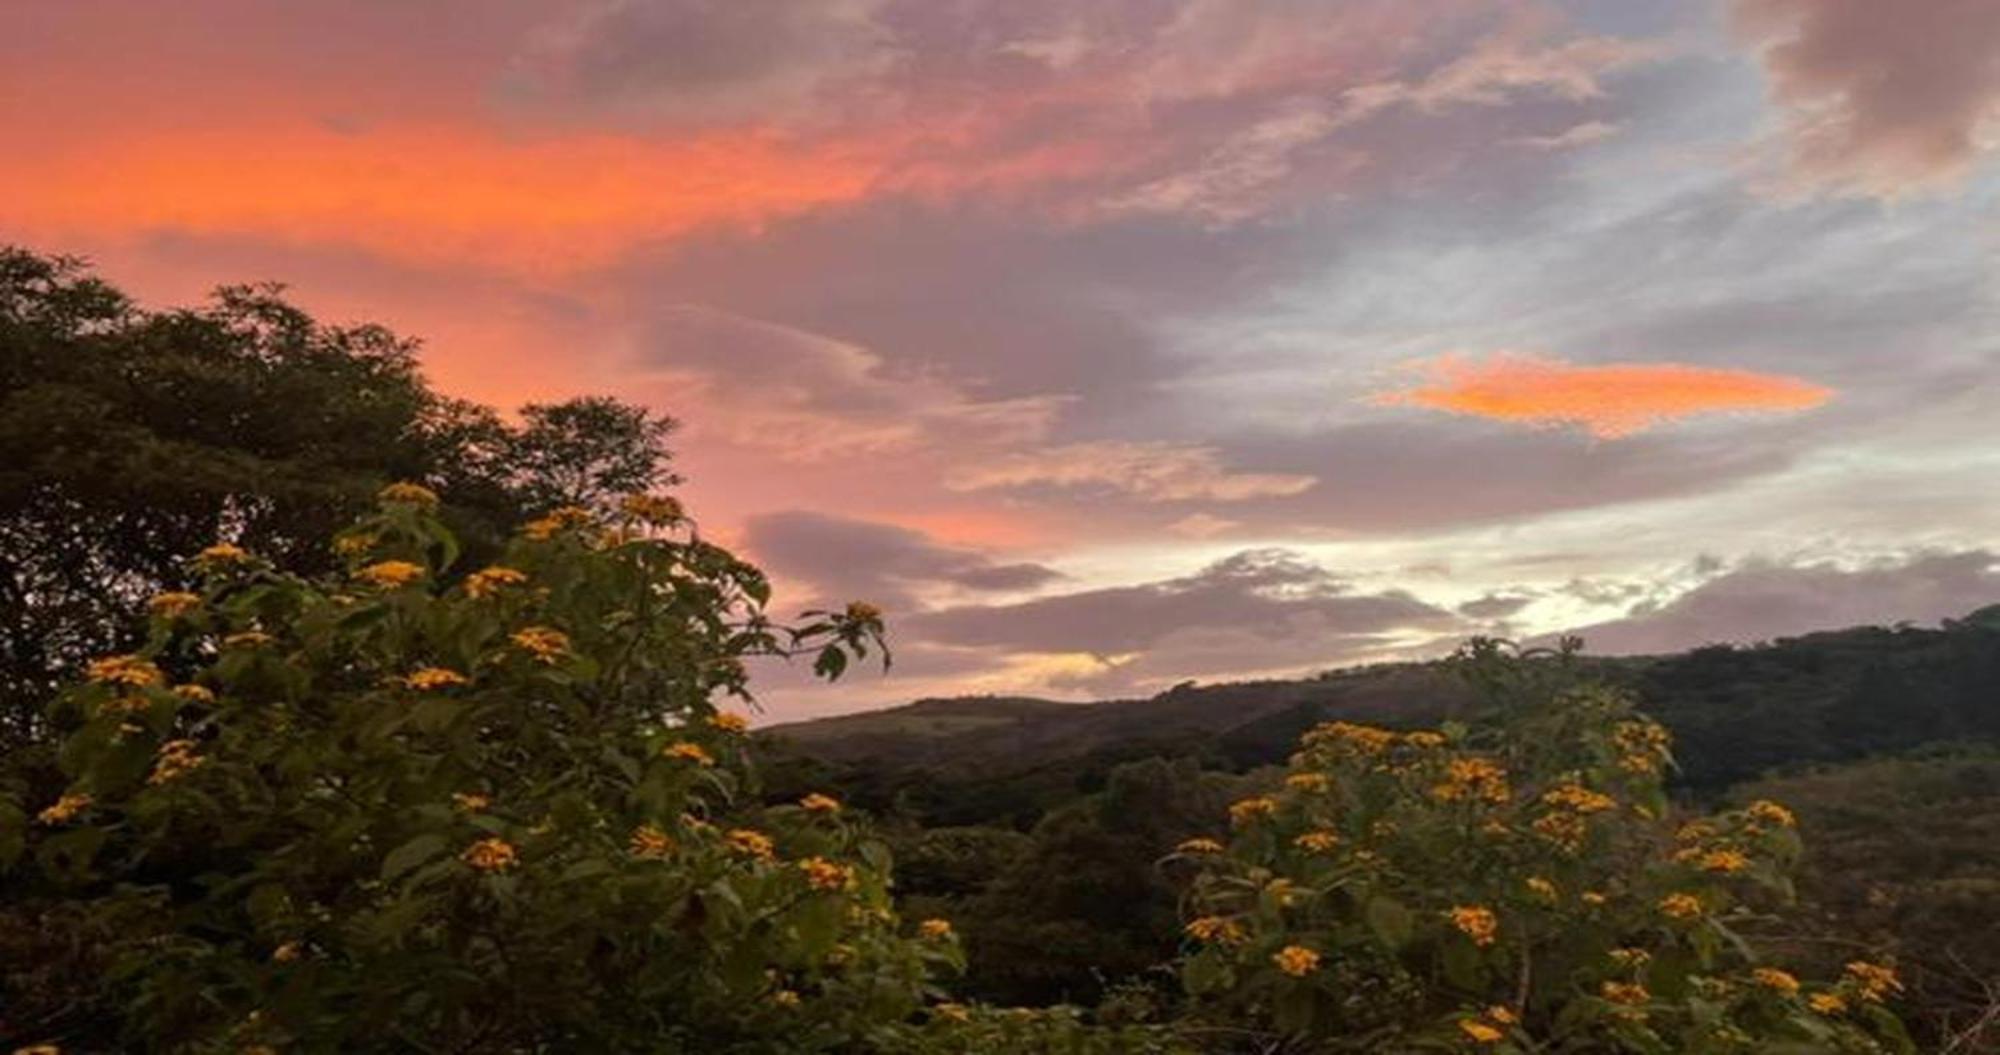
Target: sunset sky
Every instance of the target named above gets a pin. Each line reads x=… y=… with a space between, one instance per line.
x=1111 y=344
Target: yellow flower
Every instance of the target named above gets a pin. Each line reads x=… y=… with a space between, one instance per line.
x=1424 y=739
x=653 y=509
x=822 y=874
x=1296 y=960
x=38 y=1049
x=491 y=580
x=541 y=530
x=1310 y=783
x=390 y=573
x=1827 y=1003
x=177 y=758
x=1480 y=1032
x=1216 y=930
x=952 y=1012
x=285 y=953
x=1473 y=778
x=1681 y=906
x=428 y=678
x=1629 y=994
x=1592 y=897
x=490 y=855
x=935 y=929
x=1317 y=842
x=752 y=844
x=136 y=671
x=64 y=808
x=1502 y=1014
x=1578 y=798
x=194 y=693
x=1771 y=813
x=247 y=639
x=1874 y=980
x=1247 y=810
x=1565 y=830
x=1629 y=957
x=1475 y=922
x=408 y=494
x=729 y=722
x=1694 y=831
x=785 y=998
x=174 y=604
x=1541 y=888
x=1366 y=739
x=648 y=841
x=818 y=803
x=688 y=751
x=1725 y=861
x=1198 y=846
x=221 y=555
x=470 y=801
x=1774 y=979
x=354 y=545
x=545 y=643
x=863 y=612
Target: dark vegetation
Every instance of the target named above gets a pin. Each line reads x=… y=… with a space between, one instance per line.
x=1886 y=740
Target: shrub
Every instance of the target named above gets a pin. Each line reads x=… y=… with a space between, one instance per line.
x=1516 y=885
x=394 y=809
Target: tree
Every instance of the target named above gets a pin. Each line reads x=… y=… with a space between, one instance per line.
x=1514 y=885
x=132 y=437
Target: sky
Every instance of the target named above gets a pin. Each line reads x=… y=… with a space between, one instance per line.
x=1109 y=345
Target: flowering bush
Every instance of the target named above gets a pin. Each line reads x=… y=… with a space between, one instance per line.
x=491 y=812
x=1516 y=885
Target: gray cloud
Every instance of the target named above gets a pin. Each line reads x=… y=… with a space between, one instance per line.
x=1881 y=97
x=1495 y=606
x=1273 y=594
x=845 y=559
x=1761 y=599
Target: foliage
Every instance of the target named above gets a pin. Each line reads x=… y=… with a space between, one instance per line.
x=134 y=437
x=1083 y=907
x=372 y=810
x=1514 y=885
x=1905 y=856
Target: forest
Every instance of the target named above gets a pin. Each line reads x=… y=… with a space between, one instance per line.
x=339 y=715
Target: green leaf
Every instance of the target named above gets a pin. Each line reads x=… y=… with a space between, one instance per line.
x=1390 y=921
x=411 y=854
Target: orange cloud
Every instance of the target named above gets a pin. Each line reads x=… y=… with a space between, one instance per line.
x=429 y=193
x=1609 y=402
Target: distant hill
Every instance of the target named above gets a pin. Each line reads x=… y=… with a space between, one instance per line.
x=1737 y=713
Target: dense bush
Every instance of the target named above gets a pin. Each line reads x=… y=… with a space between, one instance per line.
x=1516 y=885
x=372 y=811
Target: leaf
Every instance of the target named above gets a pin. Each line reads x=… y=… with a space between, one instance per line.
x=1390 y=921
x=1462 y=966
x=411 y=854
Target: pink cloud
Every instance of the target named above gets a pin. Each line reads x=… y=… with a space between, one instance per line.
x=1880 y=97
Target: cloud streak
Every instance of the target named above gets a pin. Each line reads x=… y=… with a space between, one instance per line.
x=1608 y=402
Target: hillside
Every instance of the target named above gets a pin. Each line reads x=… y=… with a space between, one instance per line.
x=1738 y=712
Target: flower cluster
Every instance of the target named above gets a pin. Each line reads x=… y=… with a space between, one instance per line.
x=64 y=809
x=390 y=574
x=426 y=679
x=489 y=581
x=491 y=854
x=405 y=493
x=132 y=671
x=546 y=644
x=176 y=759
